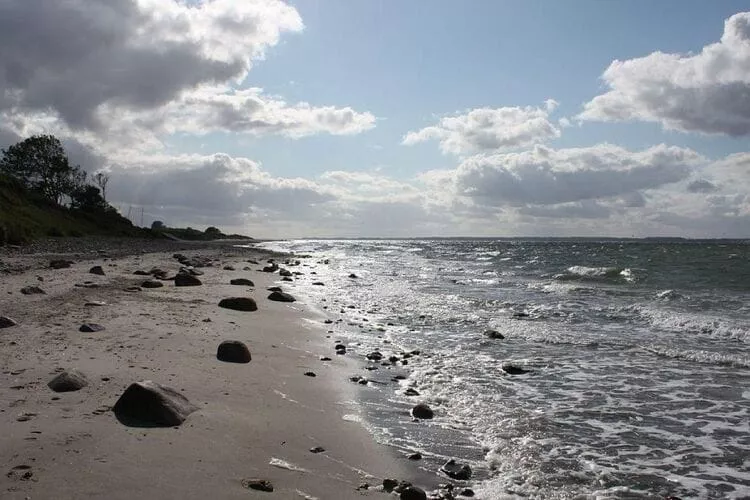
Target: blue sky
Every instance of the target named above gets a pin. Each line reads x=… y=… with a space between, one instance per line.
x=165 y=96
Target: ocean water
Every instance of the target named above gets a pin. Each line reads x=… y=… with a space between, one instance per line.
x=638 y=355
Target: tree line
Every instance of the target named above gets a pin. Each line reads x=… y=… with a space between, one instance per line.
x=41 y=165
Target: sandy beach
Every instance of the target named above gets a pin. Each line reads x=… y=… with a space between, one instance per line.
x=258 y=420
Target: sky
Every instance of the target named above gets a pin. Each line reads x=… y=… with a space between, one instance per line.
x=340 y=118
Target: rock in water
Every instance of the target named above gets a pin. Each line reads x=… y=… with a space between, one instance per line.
x=152 y=284
x=68 y=381
x=183 y=279
x=239 y=304
x=281 y=297
x=494 y=334
x=514 y=370
x=285 y=272
x=6 y=322
x=32 y=290
x=90 y=328
x=147 y=404
x=233 y=351
x=97 y=270
x=422 y=411
x=413 y=493
x=258 y=484
x=454 y=470
x=242 y=282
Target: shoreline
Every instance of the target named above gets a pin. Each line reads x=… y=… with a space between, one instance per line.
x=258 y=420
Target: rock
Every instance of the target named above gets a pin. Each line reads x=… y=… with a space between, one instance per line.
x=157 y=272
x=91 y=328
x=258 y=484
x=152 y=284
x=149 y=404
x=325 y=358
x=375 y=356
x=454 y=470
x=422 y=411
x=60 y=264
x=514 y=370
x=389 y=484
x=415 y=456
x=132 y=289
x=494 y=334
x=466 y=492
x=233 y=351
x=270 y=269
x=32 y=290
x=239 y=304
x=317 y=449
x=274 y=288
x=281 y=297
x=140 y=272
x=191 y=271
x=68 y=381
x=353 y=276
x=241 y=282
x=413 y=493
x=411 y=392
x=287 y=278
x=318 y=283
x=183 y=279
x=97 y=270
x=310 y=374
x=285 y=272
x=6 y=322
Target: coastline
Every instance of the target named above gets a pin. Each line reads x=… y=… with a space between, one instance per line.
x=256 y=420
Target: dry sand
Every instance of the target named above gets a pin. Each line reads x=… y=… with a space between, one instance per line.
x=256 y=420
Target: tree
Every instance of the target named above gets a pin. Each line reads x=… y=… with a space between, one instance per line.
x=102 y=180
x=87 y=199
x=41 y=164
x=212 y=231
x=157 y=224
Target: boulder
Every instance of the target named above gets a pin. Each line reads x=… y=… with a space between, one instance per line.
x=241 y=282
x=353 y=276
x=375 y=356
x=455 y=470
x=413 y=493
x=493 y=334
x=97 y=270
x=233 y=351
x=148 y=404
x=60 y=263
x=285 y=272
x=183 y=279
x=422 y=411
x=514 y=370
x=6 y=322
x=270 y=268
x=32 y=290
x=258 y=485
x=68 y=381
x=91 y=328
x=152 y=284
x=411 y=392
x=239 y=304
x=281 y=297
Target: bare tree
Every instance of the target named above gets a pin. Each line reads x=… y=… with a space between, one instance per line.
x=101 y=180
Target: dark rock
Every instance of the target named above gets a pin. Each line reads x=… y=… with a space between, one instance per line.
x=157 y=272
x=32 y=290
x=325 y=358
x=190 y=271
x=270 y=269
x=183 y=279
x=339 y=346
x=454 y=470
x=520 y=315
x=147 y=404
x=274 y=288
x=422 y=411
x=494 y=334
x=466 y=492
x=389 y=484
x=233 y=351
x=328 y=321
x=393 y=359
x=239 y=304
x=91 y=328
x=152 y=284
x=97 y=270
x=229 y=268
x=241 y=282
x=68 y=381
x=317 y=449
x=258 y=485
x=411 y=392
x=318 y=283
x=60 y=264
x=413 y=493
x=6 y=322
x=285 y=272
x=132 y=289
x=375 y=356
x=281 y=297
x=514 y=370
x=353 y=276
x=140 y=272
x=415 y=456
x=310 y=374
x=287 y=278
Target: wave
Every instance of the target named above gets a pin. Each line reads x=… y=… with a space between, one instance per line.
x=699 y=356
x=585 y=273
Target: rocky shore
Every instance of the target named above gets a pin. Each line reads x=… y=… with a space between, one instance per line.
x=160 y=369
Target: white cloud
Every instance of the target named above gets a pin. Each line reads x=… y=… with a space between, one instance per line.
x=545 y=176
x=708 y=92
x=487 y=130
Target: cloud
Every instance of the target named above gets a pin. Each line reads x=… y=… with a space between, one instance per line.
x=126 y=72
x=708 y=92
x=701 y=186
x=545 y=176
x=487 y=130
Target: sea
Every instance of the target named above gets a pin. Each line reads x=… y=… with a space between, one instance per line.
x=623 y=370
